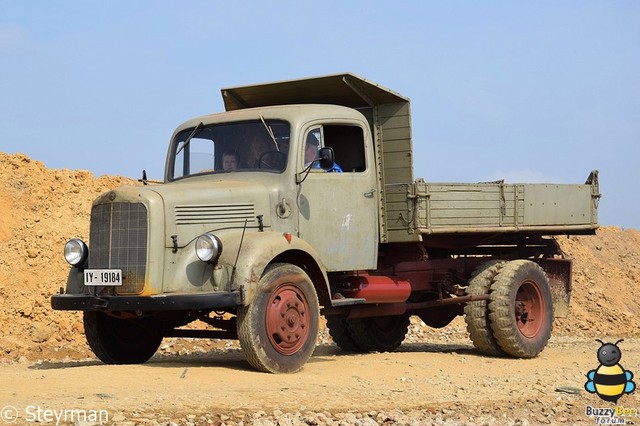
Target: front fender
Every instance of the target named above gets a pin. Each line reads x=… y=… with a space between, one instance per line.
x=256 y=250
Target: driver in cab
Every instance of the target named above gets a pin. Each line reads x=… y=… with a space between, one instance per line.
x=311 y=148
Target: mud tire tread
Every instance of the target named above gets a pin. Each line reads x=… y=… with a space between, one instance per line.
x=104 y=335
x=502 y=309
x=477 y=312
x=368 y=336
x=339 y=332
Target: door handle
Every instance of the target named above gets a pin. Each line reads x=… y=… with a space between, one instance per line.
x=369 y=194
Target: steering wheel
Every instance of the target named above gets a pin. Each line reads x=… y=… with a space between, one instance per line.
x=274 y=160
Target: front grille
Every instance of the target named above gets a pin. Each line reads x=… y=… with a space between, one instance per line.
x=118 y=240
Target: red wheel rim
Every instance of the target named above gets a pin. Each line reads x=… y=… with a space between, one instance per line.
x=287 y=319
x=529 y=309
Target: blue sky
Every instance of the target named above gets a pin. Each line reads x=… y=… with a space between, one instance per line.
x=526 y=91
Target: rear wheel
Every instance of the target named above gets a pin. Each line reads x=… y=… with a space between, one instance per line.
x=477 y=312
x=339 y=332
x=120 y=341
x=278 y=330
x=380 y=334
x=521 y=309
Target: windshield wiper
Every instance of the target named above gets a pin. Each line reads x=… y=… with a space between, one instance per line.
x=189 y=138
x=270 y=131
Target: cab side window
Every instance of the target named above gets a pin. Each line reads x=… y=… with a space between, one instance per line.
x=348 y=146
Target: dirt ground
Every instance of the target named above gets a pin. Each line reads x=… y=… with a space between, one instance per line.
x=422 y=383
x=435 y=377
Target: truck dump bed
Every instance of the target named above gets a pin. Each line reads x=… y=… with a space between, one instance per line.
x=453 y=208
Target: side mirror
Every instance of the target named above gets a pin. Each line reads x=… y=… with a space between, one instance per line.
x=144 y=179
x=326 y=158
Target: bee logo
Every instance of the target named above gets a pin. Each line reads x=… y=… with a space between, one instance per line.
x=610 y=381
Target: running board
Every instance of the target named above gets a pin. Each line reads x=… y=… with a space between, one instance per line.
x=347 y=301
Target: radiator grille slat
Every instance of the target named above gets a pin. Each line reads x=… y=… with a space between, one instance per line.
x=118 y=240
x=213 y=214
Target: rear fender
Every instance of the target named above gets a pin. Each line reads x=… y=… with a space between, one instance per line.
x=559 y=273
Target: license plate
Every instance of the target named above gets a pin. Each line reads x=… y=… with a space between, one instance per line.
x=102 y=277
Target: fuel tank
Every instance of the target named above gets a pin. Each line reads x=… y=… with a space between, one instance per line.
x=377 y=289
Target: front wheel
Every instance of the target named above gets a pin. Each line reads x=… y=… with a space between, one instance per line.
x=120 y=341
x=521 y=309
x=278 y=330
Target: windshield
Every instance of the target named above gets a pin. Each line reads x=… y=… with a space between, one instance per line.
x=260 y=145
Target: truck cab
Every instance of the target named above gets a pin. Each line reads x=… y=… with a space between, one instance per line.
x=278 y=149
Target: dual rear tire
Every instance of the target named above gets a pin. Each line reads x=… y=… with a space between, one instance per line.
x=518 y=317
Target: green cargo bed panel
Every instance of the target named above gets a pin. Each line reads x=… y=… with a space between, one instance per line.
x=454 y=208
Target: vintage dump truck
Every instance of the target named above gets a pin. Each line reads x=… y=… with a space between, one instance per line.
x=300 y=201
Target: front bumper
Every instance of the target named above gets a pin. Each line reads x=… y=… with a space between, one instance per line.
x=171 y=302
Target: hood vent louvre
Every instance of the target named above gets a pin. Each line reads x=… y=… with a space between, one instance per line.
x=214 y=214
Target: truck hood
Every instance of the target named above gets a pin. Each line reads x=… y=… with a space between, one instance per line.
x=192 y=208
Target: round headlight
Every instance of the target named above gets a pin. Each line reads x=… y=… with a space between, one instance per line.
x=208 y=248
x=75 y=252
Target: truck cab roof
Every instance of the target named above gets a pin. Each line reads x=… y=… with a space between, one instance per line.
x=345 y=89
x=298 y=113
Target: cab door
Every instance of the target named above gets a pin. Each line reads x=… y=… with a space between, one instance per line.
x=338 y=210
